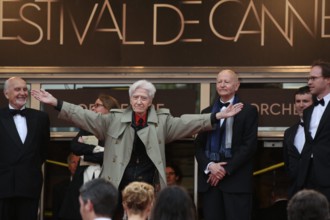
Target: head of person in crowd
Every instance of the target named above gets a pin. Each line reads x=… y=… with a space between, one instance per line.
x=98 y=198
x=16 y=91
x=302 y=99
x=104 y=103
x=173 y=174
x=227 y=84
x=138 y=198
x=319 y=79
x=308 y=204
x=141 y=94
x=173 y=203
x=73 y=161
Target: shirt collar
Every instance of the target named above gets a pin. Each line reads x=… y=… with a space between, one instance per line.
x=137 y=118
x=11 y=107
x=230 y=100
x=326 y=99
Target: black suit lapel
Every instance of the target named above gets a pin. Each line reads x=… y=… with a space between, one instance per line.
x=324 y=119
x=8 y=121
x=31 y=127
x=307 y=121
x=291 y=138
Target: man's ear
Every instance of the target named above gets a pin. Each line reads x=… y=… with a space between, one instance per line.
x=5 y=92
x=89 y=205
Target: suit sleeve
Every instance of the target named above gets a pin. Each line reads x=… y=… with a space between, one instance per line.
x=45 y=136
x=79 y=148
x=285 y=151
x=86 y=150
x=247 y=142
x=200 y=144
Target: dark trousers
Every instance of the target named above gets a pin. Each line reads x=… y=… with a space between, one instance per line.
x=219 y=205
x=311 y=182
x=19 y=208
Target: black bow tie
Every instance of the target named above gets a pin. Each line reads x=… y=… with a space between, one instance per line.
x=16 y=111
x=321 y=102
x=224 y=104
x=301 y=124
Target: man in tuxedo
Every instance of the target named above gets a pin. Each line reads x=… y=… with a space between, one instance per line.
x=225 y=156
x=294 y=138
x=24 y=138
x=98 y=200
x=314 y=165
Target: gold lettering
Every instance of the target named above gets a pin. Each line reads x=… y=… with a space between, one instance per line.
x=155 y=41
x=255 y=13
x=159 y=105
x=191 y=22
x=287 y=109
x=124 y=105
x=31 y=23
x=256 y=105
x=6 y=20
x=285 y=32
x=62 y=25
x=264 y=109
x=116 y=29
x=81 y=38
x=49 y=15
x=213 y=29
x=273 y=110
x=124 y=29
x=324 y=17
x=294 y=12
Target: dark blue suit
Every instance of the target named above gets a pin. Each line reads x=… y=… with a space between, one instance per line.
x=20 y=164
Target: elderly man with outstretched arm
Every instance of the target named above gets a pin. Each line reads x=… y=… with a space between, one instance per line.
x=135 y=137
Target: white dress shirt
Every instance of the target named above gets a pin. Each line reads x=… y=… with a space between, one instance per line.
x=21 y=126
x=299 y=139
x=317 y=115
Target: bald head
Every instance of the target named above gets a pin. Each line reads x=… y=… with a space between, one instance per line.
x=15 y=90
x=232 y=73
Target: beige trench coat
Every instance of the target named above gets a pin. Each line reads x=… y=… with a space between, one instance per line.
x=115 y=128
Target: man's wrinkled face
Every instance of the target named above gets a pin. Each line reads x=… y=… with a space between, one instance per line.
x=16 y=93
x=140 y=101
x=227 y=85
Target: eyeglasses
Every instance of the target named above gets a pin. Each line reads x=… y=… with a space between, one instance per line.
x=96 y=105
x=313 y=78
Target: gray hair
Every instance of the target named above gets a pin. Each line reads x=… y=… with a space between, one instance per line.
x=142 y=84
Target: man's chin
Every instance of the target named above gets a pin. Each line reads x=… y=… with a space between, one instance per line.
x=21 y=104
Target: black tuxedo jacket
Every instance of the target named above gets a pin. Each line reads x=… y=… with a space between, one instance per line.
x=244 y=145
x=291 y=157
x=319 y=147
x=20 y=164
